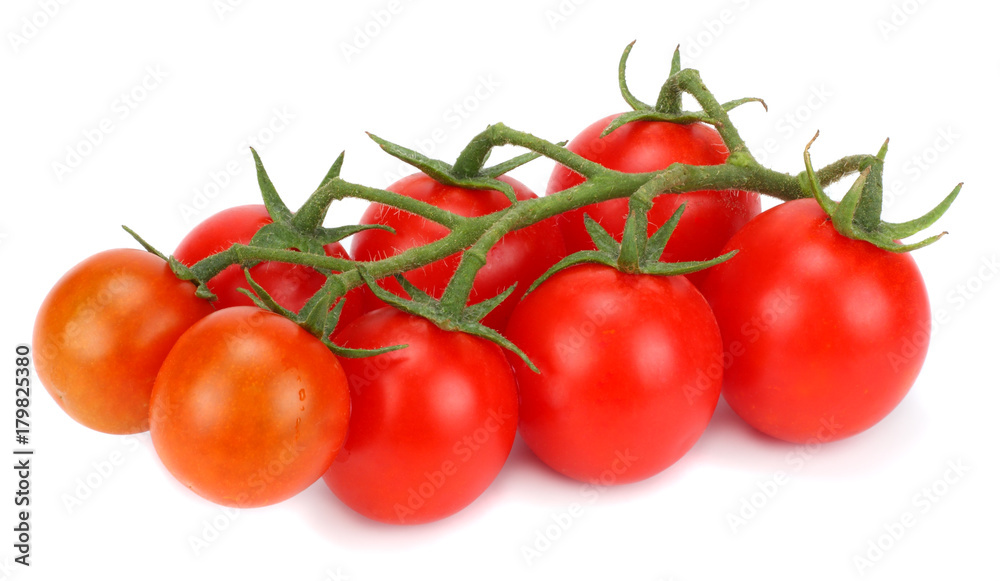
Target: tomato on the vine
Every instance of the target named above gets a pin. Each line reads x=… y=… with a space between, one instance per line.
x=624 y=389
x=290 y=285
x=103 y=331
x=824 y=334
x=248 y=409
x=710 y=218
x=431 y=424
x=520 y=256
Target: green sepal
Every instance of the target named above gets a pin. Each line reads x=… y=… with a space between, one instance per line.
x=581 y=257
x=479 y=310
x=490 y=334
x=843 y=216
x=443 y=173
x=334 y=171
x=866 y=194
x=601 y=238
x=634 y=238
x=318 y=322
x=907 y=229
x=513 y=163
x=658 y=241
x=358 y=353
x=254 y=299
x=609 y=253
x=180 y=270
x=146 y=245
x=329 y=235
x=650 y=262
x=467 y=320
x=676 y=268
x=315 y=313
x=683 y=117
x=869 y=211
x=630 y=98
x=309 y=218
x=263 y=299
x=282 y=236
x=276 y=208
x=669 y=100
x=333 y=317
x=668 y=103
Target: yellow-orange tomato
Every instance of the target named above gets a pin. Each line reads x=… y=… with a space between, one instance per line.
x=249 y=409
x=103 y=331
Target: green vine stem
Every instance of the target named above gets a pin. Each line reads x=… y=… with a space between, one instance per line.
x=474 y=237
x=603 y=184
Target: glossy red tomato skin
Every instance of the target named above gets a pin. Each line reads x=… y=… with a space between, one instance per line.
x=824 y=335
x=520 y=257
x=103 y=331
x=291 y=285
x=710 y=217
x=248 y=409
x=625 y=387
x=431 y=425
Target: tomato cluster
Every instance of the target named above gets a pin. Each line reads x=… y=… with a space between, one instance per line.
x=804 y=332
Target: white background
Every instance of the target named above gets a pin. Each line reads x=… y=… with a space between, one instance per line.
x=924 y=74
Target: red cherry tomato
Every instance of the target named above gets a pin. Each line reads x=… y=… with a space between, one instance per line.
x=103 y=331
x=431 y=424
x=624 y=389
x=710 y=217
x=291 y=285
x=521 y=256
x=249 y=409
x=823 y=335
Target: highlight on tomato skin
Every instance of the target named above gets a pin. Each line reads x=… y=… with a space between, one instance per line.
x=710 y=217
x=248 y=409
x=824 y=332
x=103 y=331
x=624 y=389
x=431 y=424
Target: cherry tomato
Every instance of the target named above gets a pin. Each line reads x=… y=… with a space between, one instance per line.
x=431 y=424
x=291 y=285
x=521 y=256
x=248 y=409
x=624 y=389
x=710 y=217
x=823 y=335
x=103 y=331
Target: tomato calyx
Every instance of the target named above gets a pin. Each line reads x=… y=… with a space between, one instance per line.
x=635 y=254
x=668 y=103
x=319 y=316
x=302 y=230
x=859 y=214
x=180 y=270
x=289 y=234
x=468 y=170
x=447 y=315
